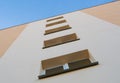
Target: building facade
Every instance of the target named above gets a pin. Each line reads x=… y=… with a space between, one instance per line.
x=58 y=36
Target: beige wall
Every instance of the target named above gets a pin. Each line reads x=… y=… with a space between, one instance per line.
x=7 y=37
x=109 y=12
x=21 y=62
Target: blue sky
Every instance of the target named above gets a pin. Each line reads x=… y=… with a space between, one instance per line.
x=15 y=12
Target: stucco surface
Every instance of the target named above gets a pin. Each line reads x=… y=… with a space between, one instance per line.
x=8 y=36
x=109 y=12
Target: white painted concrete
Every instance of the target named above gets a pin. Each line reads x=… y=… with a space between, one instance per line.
x=21 y=63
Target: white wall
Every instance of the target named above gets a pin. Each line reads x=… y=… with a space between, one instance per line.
x=21 y=63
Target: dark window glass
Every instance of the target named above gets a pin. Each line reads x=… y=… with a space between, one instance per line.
x=79 y=64
x=54 y=70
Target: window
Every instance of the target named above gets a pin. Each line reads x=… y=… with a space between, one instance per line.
x=57 y=29
x=55 y=18
x=61 y=60
x=79 y=64
x=66 y=63
x=60 y=40
x=58 y=22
